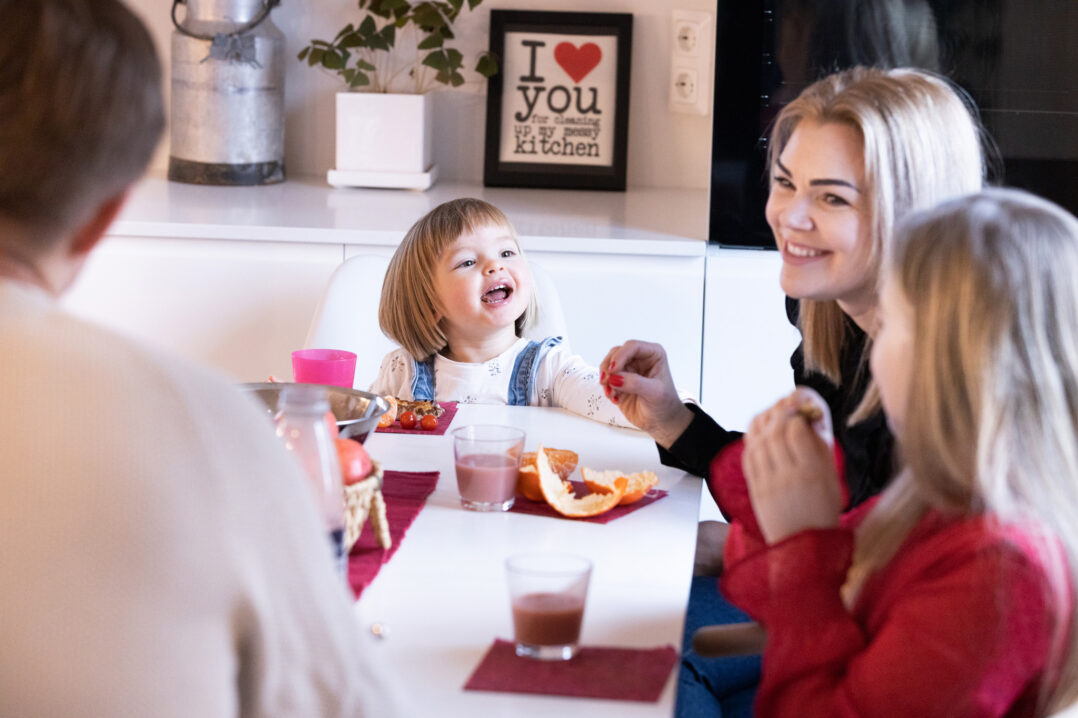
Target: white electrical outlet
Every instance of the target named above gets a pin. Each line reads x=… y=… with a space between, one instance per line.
x=686 y=38
x=692 y=58
x=686 y=85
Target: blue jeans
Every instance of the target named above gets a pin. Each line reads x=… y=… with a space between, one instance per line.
x=714 y=686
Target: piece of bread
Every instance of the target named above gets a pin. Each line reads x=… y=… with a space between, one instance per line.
x=419 y=408
x=811 y=412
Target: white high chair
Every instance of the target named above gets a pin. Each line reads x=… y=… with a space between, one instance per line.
x=347 y=315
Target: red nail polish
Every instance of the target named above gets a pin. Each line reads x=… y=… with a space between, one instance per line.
x=602 y=376
x=615 y=380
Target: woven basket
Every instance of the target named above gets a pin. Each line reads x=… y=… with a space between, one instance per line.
x=362 y=501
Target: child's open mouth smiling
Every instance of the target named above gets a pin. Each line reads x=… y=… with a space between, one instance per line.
x=497 y=294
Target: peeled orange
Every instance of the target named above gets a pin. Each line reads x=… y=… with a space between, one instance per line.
x=559 y=493
x=562 y=461
x=528 y=483
x=636 y=484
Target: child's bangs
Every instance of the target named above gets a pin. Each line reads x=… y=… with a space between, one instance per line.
x=477 y=215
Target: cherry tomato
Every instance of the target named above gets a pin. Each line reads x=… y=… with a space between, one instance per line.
x=408 y=420
x=428 y=422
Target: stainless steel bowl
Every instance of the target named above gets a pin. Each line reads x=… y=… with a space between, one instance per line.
x=357 y=412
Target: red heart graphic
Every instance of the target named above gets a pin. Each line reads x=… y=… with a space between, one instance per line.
x=577 y=62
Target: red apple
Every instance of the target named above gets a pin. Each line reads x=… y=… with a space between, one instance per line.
x=355 y=461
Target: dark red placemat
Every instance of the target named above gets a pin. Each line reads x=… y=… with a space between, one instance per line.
x=621 y=674
x=405 y=493
x=541 y=508
x=443 y=422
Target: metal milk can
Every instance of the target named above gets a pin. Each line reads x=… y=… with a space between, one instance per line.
x=227 y=125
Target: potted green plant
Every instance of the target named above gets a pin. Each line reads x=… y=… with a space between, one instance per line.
x=389 y=60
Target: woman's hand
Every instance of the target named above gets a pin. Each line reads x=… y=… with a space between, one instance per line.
x=790 y=468
x=636 y=377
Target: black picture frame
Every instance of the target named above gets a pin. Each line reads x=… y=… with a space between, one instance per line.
x=558 y=100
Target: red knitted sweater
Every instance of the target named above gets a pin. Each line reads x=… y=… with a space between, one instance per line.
x=960 y=623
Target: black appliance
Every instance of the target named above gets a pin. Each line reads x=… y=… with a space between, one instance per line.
x=1017 y=59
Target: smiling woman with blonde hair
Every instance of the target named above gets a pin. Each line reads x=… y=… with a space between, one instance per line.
x=849 y=158
x=912 y=159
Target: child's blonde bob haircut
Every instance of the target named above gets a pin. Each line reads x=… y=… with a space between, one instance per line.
x=922 y=144
x=993 y=399
x=409 y=312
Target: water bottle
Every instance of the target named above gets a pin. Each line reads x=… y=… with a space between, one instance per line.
x=302 y=427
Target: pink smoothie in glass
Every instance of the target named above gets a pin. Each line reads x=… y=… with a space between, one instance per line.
x=487 y=478
x=548 y=619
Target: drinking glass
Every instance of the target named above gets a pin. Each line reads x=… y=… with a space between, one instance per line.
x=324 y=366
x=487 y=458
x=547 y=592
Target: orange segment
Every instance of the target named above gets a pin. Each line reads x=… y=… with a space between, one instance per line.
x=528 y=483
x=562 y=461
x=637 y=485
x=390 y=416
x=559 y=493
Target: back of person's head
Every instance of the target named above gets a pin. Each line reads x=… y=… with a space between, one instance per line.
x=993 y=397
x=410 y=312
x=991 y=281
x=922 y=144
x=80 y=110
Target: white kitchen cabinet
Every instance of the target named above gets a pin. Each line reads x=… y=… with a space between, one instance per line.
x=232 y=276
x=747 y=341
x=239 y=306
x=610 y=299
x=747 y=337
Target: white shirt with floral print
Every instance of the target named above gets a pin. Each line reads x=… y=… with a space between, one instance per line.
x=563 y=380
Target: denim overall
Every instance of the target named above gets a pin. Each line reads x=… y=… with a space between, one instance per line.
x=520 y=382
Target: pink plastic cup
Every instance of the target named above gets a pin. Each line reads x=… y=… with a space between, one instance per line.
x=324 y=366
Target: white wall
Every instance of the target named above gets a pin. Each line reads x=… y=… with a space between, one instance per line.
x=665 y=149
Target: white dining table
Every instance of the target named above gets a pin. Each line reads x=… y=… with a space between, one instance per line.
x=441 y=600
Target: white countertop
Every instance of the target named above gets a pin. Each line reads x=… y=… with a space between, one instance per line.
x=670 y=222
x=443 y=597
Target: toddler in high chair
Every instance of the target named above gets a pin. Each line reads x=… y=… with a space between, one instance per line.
x=458 y=299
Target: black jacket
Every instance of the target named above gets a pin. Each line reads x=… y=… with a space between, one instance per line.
x=868 y=445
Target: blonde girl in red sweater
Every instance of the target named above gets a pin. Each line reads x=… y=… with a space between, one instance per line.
x=952 y=594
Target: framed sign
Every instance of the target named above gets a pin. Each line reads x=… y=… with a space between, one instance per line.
x=558 y=111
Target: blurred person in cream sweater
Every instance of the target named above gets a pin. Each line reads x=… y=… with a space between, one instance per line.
x=161 y=555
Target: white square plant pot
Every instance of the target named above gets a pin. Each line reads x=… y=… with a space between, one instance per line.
x=383 y=140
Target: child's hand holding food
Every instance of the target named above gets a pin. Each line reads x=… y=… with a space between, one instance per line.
x=789 y=467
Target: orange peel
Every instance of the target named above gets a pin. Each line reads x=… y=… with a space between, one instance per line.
x=637 y=485
x=560 y=496
x=562 y=461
